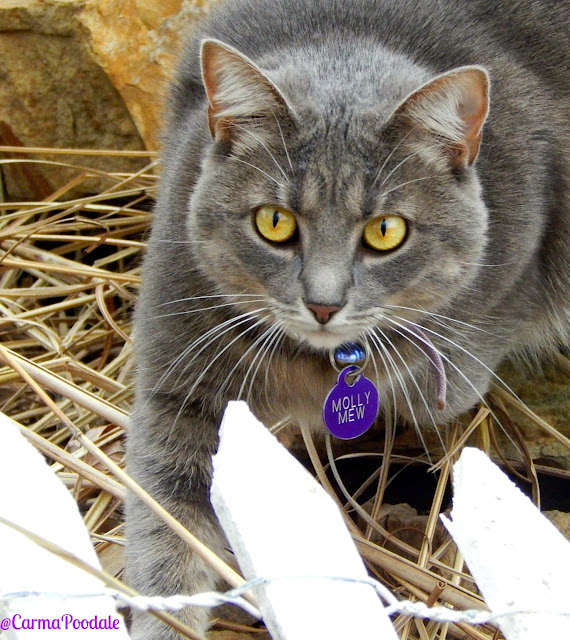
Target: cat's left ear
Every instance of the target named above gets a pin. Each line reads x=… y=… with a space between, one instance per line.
x=452 y=107
x=237 y=90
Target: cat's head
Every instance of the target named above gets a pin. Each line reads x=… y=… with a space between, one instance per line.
x=336 y=210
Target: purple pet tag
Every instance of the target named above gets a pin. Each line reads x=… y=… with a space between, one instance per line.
x=350 y=410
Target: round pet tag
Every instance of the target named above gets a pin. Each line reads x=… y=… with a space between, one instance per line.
x=350 y=410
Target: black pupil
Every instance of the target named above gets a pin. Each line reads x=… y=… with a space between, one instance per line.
x=276 y=217
x=383 y=227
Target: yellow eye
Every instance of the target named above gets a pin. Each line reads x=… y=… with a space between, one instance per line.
x=275 y=224
x=385 y=233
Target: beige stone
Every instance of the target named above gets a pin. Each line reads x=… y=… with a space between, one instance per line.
x=52 y=94
x=561 y=521
x=86 y=74
x=152 y=13
x=137 y=43
x=545 y=390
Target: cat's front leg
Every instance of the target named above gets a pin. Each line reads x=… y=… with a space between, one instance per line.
x=174 y=467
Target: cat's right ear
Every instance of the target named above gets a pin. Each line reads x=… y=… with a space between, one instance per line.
x=452 y=108
x=237 y=90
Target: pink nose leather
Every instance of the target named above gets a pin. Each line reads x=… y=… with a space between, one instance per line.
x=323 y=314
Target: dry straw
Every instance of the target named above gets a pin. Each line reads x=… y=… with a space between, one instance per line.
x=69 y=275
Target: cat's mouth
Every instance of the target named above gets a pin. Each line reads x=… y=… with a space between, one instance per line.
x=324 y=337
x=330 y=337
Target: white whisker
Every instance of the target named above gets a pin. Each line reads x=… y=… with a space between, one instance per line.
x=180 y=241
x=420 y=392
x=411 y=155
x=401 y=382
x=259 y=356
x=387 y=369
x=217 y=306
x=388 y=158
x=253 y=345
x=284 y=145
x=217 y=337
x=257 y=169
x=210 y=336
x=456 y=368
x=437 y=315
x=245 y=130
x=276 y=342
x=211 y=363
x=221 y=295
x=480 y=264
x=466 y=351
x=403 y=184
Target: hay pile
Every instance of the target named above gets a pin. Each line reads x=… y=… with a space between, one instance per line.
x=69 y=273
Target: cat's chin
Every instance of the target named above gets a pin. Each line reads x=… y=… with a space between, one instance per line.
x=323 y=339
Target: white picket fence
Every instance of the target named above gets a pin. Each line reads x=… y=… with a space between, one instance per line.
x=292 y=546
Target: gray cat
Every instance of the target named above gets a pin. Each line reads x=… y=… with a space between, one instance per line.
x=336 y=170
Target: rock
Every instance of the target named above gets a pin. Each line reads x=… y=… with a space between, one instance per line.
x=545 y=390
x=137 y=43
x=561 y=521
x=403 y=522
x=86 y=74
x=53 y=94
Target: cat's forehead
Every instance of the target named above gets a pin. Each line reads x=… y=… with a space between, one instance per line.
x=338 y=165
x=351 y=76
x=333 y=182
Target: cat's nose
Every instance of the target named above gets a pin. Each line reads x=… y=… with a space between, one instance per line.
x=323 y=313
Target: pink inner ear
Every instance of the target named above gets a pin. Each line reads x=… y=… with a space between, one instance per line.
x=212 y=59
x=453 y=106
x=235 y=87
x=473 y=109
